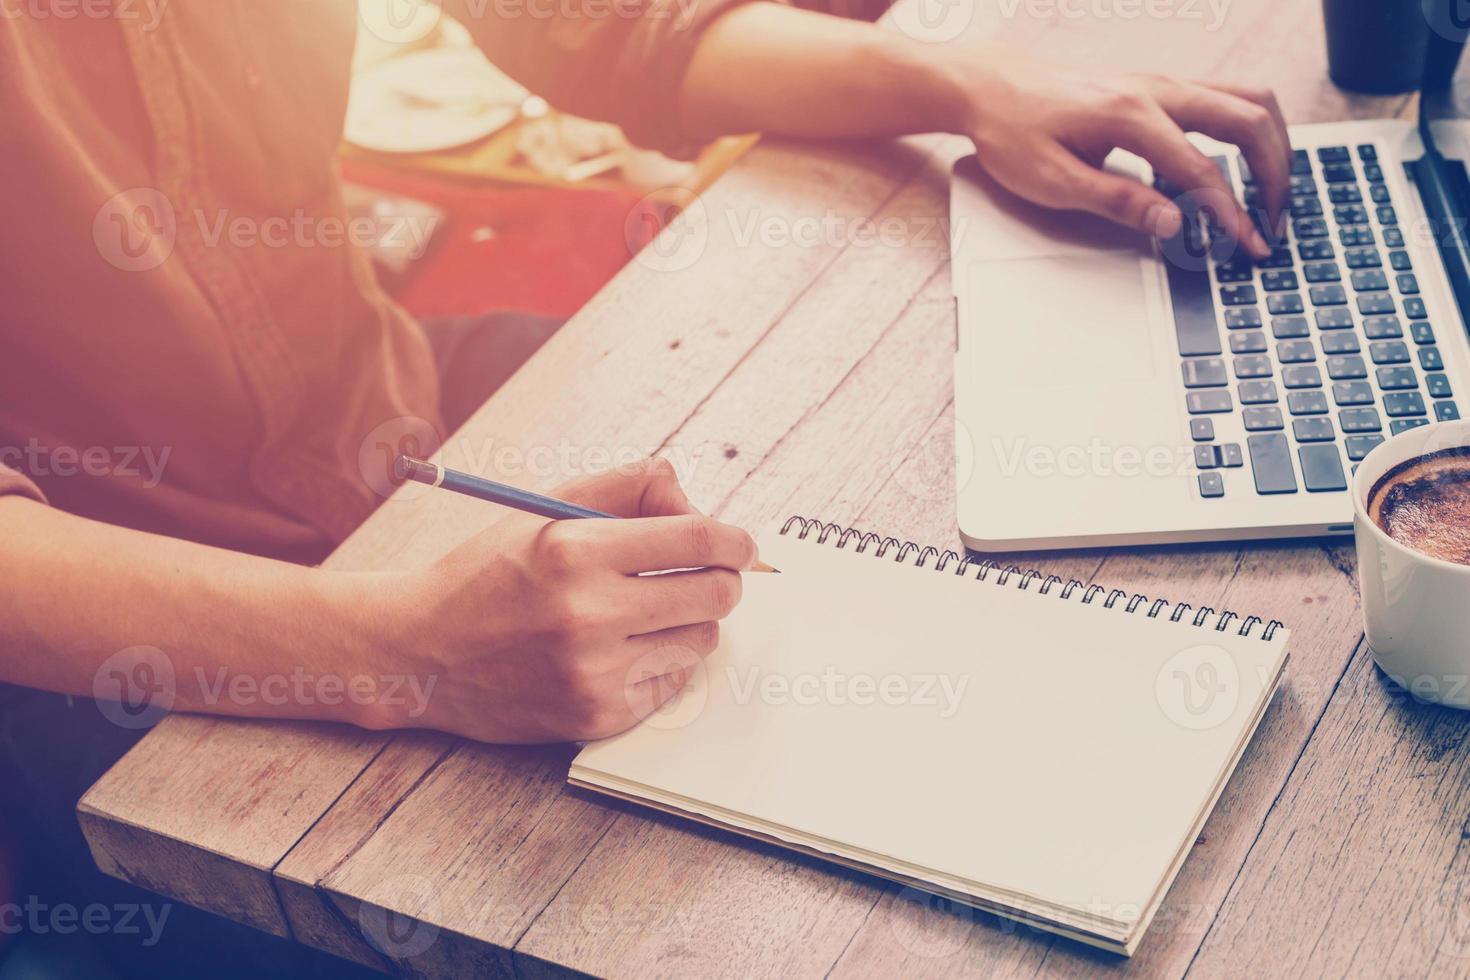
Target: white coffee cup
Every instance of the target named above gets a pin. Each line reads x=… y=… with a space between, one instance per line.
x=1416 y=609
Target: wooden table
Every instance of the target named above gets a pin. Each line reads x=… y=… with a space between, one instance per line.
x=804 y=377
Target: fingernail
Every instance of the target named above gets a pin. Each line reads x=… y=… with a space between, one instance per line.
x=1165 y=220
x=1260 y=243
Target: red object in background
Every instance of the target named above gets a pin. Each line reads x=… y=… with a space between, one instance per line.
x=547 y=250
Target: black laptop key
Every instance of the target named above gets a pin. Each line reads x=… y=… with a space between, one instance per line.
x=1248 y=342
x=1340 y=342
x=1397 y=378
x=1301 y=376
x=1378 y=193
x=1208 y=401
x=1252 y=366
x=1364 y=257
x=1392 y=237
x=1276 y=280
x=1352 y=214
x=1389 y=352
x=1257 y=392
x=1300 y=162
x=1367 y=152
x=1413 y=308
x=1360 y=446
x=1382 y=327
x=1401 y=403
x=1356 y=235
x=1333 y=318
x=1194 y=311
x=1321 y=272
x=1295 y=352
x=1238 y=318
x=1422 y=332
x=1438 y=385
x=1204 y=457
x=1387 y=215
x=1334 y=154
x=1377 y=304
x=1202 y=430
x=1271 y=463
x=1368 y=280
x=1321 y=468
x=1280 y=258
x=1309 y=228
x=1211 y=485
x=1407 y=282
x=1289 y=327
x=1330 y=295
x=1236 y=270
x=1238 y=294
x=1315 y=249
x=1430 y=359
x=1345 y=367
x=1446 y=411
x=1403 y=425
x=1352 y=393
x=1307 y=205
x=1279 y=304
x=1359 y=420
x=1317 y=429
x=1344 y=194
x=1399 y=260
x=1261 y=418
x=1229 y=456
x=1373 y=173
x=1303 y=184
x=1306 y=401
x=1203 y=372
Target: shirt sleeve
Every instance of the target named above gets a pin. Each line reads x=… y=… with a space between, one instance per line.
x=621 y=61
x=13 y=483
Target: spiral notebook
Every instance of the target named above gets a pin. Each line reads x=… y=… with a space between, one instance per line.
x=1037 y=748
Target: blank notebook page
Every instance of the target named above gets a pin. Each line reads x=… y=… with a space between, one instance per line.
x=971 y=734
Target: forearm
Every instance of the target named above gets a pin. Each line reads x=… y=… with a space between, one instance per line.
x=776 y=69
x=241 y=635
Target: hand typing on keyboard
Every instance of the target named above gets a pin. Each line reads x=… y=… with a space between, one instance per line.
x=1042 y=130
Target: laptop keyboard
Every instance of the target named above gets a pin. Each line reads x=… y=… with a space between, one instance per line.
x=1328 y=347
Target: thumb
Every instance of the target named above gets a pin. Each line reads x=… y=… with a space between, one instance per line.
x=647 y=488
x=1124 y=200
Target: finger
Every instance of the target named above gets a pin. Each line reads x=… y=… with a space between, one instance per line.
x=698 y=639
x=657 y=544
x=1257 y=128
x=1157 y=138
x=1119 y=199
x=647 y=488
x=660 y=602
x=647 y=697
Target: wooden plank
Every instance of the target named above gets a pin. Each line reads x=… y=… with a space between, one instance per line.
x=1382 y=886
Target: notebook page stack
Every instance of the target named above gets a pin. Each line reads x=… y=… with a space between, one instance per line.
x=1040 y=749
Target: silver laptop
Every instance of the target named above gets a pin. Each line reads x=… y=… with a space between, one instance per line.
x=1114 y=390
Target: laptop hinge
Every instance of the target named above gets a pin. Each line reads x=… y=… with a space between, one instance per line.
x=1444 y=190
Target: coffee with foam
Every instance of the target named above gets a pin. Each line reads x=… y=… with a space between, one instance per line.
x=1424 y=504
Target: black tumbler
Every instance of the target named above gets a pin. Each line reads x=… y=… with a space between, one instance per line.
x=1376 y=46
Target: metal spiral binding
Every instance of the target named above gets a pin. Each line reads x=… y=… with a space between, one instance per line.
x=866 y=542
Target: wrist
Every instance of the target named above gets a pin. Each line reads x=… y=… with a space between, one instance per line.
x=373 y=619
x=934 y=80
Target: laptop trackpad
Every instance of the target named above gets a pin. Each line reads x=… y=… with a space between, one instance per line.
x=1060 y=320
